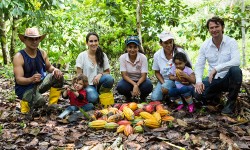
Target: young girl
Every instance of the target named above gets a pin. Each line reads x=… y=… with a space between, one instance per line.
x=183 y=75
x=77 y=96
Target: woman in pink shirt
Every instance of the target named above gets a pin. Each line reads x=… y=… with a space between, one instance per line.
x=134 y=69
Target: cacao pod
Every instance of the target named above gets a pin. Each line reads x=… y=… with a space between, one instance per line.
x=97 y=124
x=128 y=113
x=123 y=122
x=128 y=130
x=138 y=129
x=157 y=117
x=151 y=123
x=120 y=129
x=111 y=126
x=146 y=115
x=167 y=118
x=132 y=106
x=115 y=118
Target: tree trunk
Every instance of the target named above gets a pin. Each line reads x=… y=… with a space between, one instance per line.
x=243 y=32
x=13 y=38
x=138 y=22
x=3 y=38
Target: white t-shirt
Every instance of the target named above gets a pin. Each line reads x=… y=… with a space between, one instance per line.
x=164 y=65
x=89 y=69
x=135 y=69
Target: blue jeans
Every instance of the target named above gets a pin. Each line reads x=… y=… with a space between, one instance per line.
x=125 y=88
x=106 y=81
x=86 y=107
x=157 y=93
x=184 y=91
x=230 y=83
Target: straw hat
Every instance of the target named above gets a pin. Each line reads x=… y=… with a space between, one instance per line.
x=31 y=32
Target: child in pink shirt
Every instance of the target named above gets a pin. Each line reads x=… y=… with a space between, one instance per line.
x=182 y=79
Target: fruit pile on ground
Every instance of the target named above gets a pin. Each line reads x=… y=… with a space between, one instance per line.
x=129 y=118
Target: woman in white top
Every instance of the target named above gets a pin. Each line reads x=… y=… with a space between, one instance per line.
x=163 y=63
x=134 y=69
x=94 y=64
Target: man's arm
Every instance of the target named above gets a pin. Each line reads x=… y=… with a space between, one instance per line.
x=18 y=63
x=200 y=65
x=199 y=68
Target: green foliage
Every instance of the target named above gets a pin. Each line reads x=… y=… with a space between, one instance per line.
x=7 y=71
x=22 y=124
x=1 y=128
x=67 y=23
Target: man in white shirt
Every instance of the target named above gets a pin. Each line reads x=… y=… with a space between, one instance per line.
x=223 y=57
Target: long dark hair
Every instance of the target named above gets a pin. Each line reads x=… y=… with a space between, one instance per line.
x=182 y=57
x=99 y=56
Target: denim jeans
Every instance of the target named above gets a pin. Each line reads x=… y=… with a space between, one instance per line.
x=125 y=88
x=230 y=83
x=106 y=82
x=86 y=107
x=184 y=91
x=157 y=93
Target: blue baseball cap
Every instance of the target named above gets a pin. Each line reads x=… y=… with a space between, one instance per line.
x=133 y=39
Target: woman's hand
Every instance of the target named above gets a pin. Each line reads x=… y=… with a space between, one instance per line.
x=136 y=91
x=97 y=79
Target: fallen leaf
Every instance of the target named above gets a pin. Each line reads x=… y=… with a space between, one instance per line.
x=226 y=139
x=181 y=123
x=34 y=142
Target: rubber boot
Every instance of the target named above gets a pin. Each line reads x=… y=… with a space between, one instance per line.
x=228 y=108
x=107 y=99
x=64 y=113
x=234 y=89
x=24 y=107
x=54 y=95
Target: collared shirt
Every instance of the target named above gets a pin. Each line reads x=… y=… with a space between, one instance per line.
x=89 y=69
x=134 y=69
x=221 y=59
x=162 y=64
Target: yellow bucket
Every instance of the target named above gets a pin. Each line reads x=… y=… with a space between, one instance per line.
x=107 y=99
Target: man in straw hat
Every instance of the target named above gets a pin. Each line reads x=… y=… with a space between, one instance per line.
x=30 y=67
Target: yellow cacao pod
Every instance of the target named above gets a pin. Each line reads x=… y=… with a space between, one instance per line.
x=104 y=111
x=97 y=124
x=128 y=113
x=115 y=118
x=163 y=112
x=120 y=129
x=151 y=123
x=146 y=115
x=157 y=117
